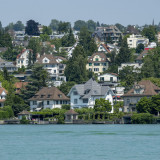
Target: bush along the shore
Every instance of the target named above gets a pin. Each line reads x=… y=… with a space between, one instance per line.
x=142 y=118
x=24 y=120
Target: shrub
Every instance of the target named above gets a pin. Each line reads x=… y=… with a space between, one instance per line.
x=142 y=118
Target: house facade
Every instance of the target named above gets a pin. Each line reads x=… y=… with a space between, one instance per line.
x=108 y=77
x=23 y=58
x=54 y=66
x=48 y=97
x=134 y=40
x=97 y=63
x=3 y=94
x=144 y=88
x=84 y=95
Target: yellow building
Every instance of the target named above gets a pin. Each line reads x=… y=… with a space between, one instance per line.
x=97 y=63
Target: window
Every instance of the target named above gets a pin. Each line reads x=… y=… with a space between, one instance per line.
x=104 y=69
x=75 y=93
x=60 y=95
x=128 y=101
x=47 y=102
x=96 y=64
x=54 y=71
x=111 y=79
x=101 y=78
x=90 y=64
x=34 y=102
x=96 y=59
x=45 y=61
x=61 y=102
x=85 y=100
x=57 y=102
x=75 y=101
x=90 y=69
x=96 y=69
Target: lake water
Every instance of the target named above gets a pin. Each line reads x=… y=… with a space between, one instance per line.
x=79 y=142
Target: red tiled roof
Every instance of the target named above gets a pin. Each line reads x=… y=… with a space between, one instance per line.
x=18 y=56
x=20 y=84
x=150 y=89
x=49 y=93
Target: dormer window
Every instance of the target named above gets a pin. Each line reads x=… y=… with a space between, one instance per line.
x=60 y=95
x=42 y=96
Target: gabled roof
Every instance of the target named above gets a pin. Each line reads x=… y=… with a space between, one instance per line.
x=49 y=93
x=101 y=55
x=150 y=89
x=24 y=50
x=105 y=47
x=24 y=113
x=52 y=59
x=3 y=89
x=114 y=74
x=141 y=56
x=90 y=88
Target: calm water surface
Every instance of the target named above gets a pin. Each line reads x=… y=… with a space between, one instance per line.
x=79 y=142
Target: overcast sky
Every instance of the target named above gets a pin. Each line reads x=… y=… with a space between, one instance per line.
x=105 y=11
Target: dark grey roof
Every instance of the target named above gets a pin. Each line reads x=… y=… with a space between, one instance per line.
x=90 y=88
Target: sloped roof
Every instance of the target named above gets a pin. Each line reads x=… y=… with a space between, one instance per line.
x=53 y=59
x=20 y=84
x=150 y=89
x=71 y=112
x=3 y=89
x=24 y=113
x=90 y=88
x=18 y=56
x=106 y=48
x=49 y=93
x=141 y=56
x=101 y=55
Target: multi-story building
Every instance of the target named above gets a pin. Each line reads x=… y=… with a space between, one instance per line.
x=103 y=33
x=84 y=95
x=134 y=40
x=98 y=63
x=48 y=97
x=54 y=65
x=23 y=58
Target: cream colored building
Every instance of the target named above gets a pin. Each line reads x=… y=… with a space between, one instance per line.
x=134 y=40
x=97 y=63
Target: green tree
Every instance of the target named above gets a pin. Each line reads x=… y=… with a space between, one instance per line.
x=155 y=104
x=102 y=105
x=76 y=66
x=19 y=26
x=140 y=48
x=34 y=44
x=124 y=53
x=91 y=25
x=38 y=79
x=117 y=106
x=54 y=24
x=32 y=28
x=5 y=39
x=150 y=32
x=47 y=30
x=64 y=27
x=87 y=42
x=144 y=105
x=66 y=86
x=79 y=24
x=1 y=26
x=44 y=37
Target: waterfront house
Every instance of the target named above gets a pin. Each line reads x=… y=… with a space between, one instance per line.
x=48 y=97
x=98 y=63
x=84 y=95
x=3 y=94
x=144 y=88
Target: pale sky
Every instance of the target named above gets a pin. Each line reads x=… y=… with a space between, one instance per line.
x=105 y=11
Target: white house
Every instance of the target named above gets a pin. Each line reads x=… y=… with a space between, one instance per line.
x=84 y=95
x=108 y=77
x=54 y=65
x=3 y=94
x=103 y=48
x=134 y=65
x=48 y=97
x=134 y=40
x=23 y=58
